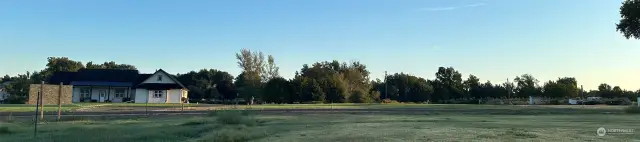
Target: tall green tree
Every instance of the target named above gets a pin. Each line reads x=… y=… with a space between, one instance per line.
x=18 y=88
x=277 y=90
x=448 y=84
x=110 y=65
x=527 y=85
x=313 y=92
x=270 y=69
x=570 y=85
x=472 y=86
x=207 y=83
x=60 y=64
x=249 y=82
x=336 y=89
x=605 y=91
x=629 y=24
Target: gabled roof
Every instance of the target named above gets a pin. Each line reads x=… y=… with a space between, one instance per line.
x=164 y=72
x=141 y=78
x=111 y=77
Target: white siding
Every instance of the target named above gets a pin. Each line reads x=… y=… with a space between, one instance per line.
x=161 y=99
x=169 y=96
x=154 y=79
x=174 y=96
x=75 y=96
x=141 y=95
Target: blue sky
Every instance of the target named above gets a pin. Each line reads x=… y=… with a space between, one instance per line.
x=492 y=39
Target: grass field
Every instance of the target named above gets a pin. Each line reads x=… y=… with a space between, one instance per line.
x=32 y=108
x=71 y=107
x=539 y=124
x=139 y=106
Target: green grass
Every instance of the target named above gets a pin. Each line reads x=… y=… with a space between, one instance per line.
x=71 y=107
x=32 y=108
x=411 y=106
x=150 y=105
x=525 y=124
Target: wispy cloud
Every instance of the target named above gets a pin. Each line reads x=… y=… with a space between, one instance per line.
x=452 y=7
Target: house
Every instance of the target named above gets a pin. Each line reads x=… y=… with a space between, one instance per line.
x=115 y=85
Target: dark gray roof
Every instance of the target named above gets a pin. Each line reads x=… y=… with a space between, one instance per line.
x=110 y=77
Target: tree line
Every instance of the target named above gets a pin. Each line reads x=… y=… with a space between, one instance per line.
x=331 y=82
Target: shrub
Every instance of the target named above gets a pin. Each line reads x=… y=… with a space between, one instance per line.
x=619 y=101
x=593 y=102
x=559 y=102
x=359 y=96
x=238 y=133
x=389 y=101
x=632 y=110
x=235 y=117
x=494 y=102
x=195 y=122
x=5 y=130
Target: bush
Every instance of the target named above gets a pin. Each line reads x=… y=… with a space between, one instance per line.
x=632 y=110
x=593 y=102
x=494 y=102
x=359 y=96
x=559 y=102
x=5 y=130
x=235 y=117
x=236 y=133
x=619 y=101
x=389 y=101
x=195 y=122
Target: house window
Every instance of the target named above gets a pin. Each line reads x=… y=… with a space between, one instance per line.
x=159 y=77
x=85 y=94
x=120 y=93
x=158 y=93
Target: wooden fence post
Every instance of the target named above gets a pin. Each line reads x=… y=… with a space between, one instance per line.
x=41 y=99
x=59 y=100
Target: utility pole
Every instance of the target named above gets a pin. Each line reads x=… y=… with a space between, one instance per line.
x=582 y=94
x=386 y=96
x=509 y=91
x=146 y=104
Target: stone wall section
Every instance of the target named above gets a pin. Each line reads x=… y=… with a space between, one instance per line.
x=50 y=95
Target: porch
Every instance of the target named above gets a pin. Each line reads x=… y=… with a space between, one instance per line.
x=102 y=92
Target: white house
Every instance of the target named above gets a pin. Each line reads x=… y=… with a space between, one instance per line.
x=112 y=85
x=160 y=87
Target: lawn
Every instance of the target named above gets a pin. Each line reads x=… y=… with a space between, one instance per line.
x=71 y=107
x=438 y=125
x=32 y=108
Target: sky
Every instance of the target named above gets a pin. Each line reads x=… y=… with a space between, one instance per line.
x=495 y=40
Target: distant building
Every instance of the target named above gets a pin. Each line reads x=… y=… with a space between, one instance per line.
x=114 y=85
